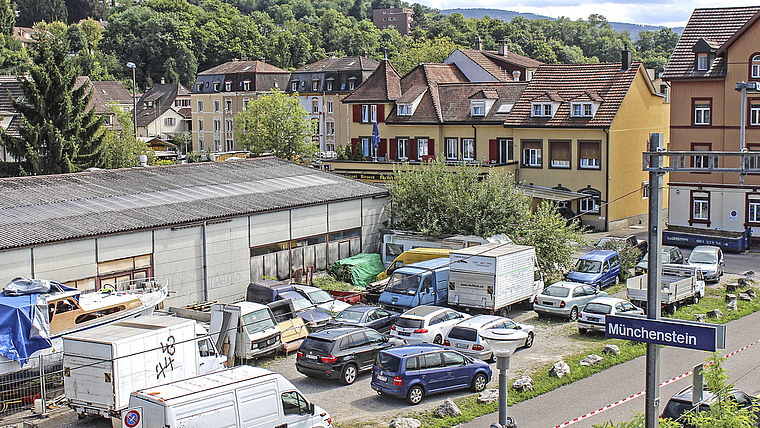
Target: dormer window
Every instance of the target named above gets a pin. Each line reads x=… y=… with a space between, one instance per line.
x=199 y=86
x=582 y=110
x=294 y=86
x=351 y=85
x=227 y=86
x=329 y=86
x=478 y=108
x=756 y=67
x=404 y=110
x=216 y=86
x=541 y=110
x=702 y=63
x=247 y=85
x=315 y=85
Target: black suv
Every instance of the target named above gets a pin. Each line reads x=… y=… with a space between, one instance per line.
x=680 y=403
x=340 y=353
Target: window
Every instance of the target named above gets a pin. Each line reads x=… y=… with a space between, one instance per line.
x=468 y=149
x=404 y=110
x=351 y=85
x=478 y=108
x=200 y=144
x=422 y=147
x=228 y=105
x=107 y=120
x=700 y=211
x=314 y=106
x=582 y=110
x=217 y=125
x=753 y=208
x=329 y=86
x=589 y=154
x=560 y=154
x=217 y=145
x=216 y=86
x=754 y=113
x=294 y=86
x=542 y=110
x=329 y=106
x=245 y=103
x=293 y=403
x=181 y=103
x=402 y=148
x=330 y=128
x=200 y=105
x=752 y=160
x=505 y=150
x=369 y=113
x=247 y=85
x=200 y=124
x=199 y=87
x=216 y=105
x=227 y=86
x=169 y=121
x=315 y=85
x=590 y=205
x=228 y=125
x=532 y=154
x=702 y=113
x=315 y=126
x=701 y=62
x=755 y=73
x=701 y=161
x=230 y=145
x=451 y=148
x=645 y=189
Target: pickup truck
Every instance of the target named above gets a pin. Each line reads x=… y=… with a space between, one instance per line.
x=679 y=285
x=624 y=239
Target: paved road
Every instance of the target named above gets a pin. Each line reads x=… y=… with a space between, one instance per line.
x=587 y=395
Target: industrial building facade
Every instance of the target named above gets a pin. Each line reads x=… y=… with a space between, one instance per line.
x=208 y=228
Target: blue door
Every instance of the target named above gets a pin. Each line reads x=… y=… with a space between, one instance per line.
x=432 y=373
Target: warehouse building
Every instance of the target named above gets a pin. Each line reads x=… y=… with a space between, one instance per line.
x=208 y=228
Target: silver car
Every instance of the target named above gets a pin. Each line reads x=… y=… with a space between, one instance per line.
x=592 y=317
x=465 y=335
x=709 y=259
x=565 y=299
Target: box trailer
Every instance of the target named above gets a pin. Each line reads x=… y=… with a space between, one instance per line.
x=492 y=277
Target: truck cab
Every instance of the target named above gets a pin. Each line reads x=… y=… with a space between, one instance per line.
x=423 y=283
x=247 y=328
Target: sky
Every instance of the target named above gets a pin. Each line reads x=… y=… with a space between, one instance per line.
x=669 y=13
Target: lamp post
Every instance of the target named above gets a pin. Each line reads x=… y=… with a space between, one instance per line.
x=503 y=343
x=134 y=99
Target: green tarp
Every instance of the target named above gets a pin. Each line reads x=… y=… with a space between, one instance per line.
x=360 y=270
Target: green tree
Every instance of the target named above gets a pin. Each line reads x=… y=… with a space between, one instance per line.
x=7 y=18
x=59 y=133
x=120 y=148
x=33 y=11
x=424 y=51
x=276 y=123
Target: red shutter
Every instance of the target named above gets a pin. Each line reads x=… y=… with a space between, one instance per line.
x=412 y=149
x=382 y=148
x=493 y=150
x=392 y=151
x=380 y=113
x=354 y=143
x=431 y=148
x=357 y=113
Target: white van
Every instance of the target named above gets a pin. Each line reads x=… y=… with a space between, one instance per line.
x=243 y=396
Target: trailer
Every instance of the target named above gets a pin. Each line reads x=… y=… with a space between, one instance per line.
x=679 y=285
x=693 y=236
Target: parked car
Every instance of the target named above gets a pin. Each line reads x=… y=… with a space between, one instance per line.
x=598 y=268
x=670 y=255
x=322 y=299
x=340 y=353
x=709 y=259
x=426 y=324
x=414 y=371
x=625 y=239
x=680 y=403
x=465 y=336
x=565 y=299
x=367 y=316
x=592 y=316
x=315 y=319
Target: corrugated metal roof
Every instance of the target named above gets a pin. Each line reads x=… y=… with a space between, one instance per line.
x=35 y=210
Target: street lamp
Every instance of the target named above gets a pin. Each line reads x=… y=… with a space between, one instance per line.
x=503 y=342
x=134 y=99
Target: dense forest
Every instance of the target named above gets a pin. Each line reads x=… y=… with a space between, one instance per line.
x=175 y=39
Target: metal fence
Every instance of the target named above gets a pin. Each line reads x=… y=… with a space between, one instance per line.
x=41 y=377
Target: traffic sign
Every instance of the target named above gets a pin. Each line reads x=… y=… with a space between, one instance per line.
x=132 y=418
x=681 y=334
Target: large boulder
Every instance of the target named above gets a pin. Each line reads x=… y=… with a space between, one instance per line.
x=715 y=313
x=560 y=369
x=523 y=383
x=489 y=395
x=591 y=360
x=732 y=306
x=448 y=408
x=730 y=297
x=700 y=317
x=751 y=292
x=745 y=297
x=611 y=349
x=405 y=423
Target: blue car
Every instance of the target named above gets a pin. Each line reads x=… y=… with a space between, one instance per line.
x=414 y=371
x=598 y=268
x=367 y=316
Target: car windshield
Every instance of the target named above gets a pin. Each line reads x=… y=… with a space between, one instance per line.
x=387 y=362
x=257 y=321
x=314 y=344
x=702 y=257
x=299 y=303
x=597 y=308
x=409 y=322
x=588 y=266
x=556 y=291
x=464 y=333
x=605 y=240
x=403 y=283
x=349 y=316
x=320 y=296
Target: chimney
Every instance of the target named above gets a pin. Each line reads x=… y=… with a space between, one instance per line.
x=625 y=59
x=163 y=81
x=366 y=54
x=479 y=44
x=516 y=75
x=262 y=59
x=503 y=49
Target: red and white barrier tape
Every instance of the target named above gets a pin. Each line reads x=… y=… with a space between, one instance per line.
x=639 y=394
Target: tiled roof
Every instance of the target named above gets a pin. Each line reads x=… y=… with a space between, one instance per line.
x=340 y=64
x=186 y=112
x=243 y=66
x=716 y=26
x=512 y=58
x=10 y=89
x=163 y=96
x=43 y=209
x=496 y=65
x=568 y=82
x=383 y=85
x=105 y=92
x=486 y=64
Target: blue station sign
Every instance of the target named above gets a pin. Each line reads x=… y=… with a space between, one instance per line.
x=681 y=334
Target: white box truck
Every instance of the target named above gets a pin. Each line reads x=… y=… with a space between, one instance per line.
x=246 y=329
x=103 y=365
x=489 y=278
x=243 y=396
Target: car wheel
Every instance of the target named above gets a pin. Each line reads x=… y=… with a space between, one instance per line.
x=504 y=312
x=438 y=339
x=581 y=330
x=348 y=375
x=529 y=340
x=479 y=382
x=695 y=299
x=574 y=313
x=415 y=394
